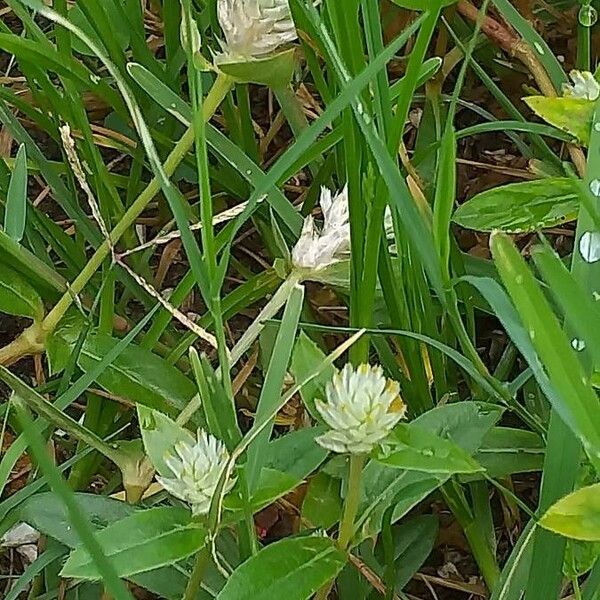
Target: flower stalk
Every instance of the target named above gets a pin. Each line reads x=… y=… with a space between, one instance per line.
x=357 y=462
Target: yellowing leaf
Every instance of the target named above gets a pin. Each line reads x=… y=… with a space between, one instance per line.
x=572 y=115
x=577 y=515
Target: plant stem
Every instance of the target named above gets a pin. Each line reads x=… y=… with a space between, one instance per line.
x=357 y=462
x=20 y=348
x=195 y=579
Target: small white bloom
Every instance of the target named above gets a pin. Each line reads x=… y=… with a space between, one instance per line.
x=584 y=86
x=197 y=468
x=254 y=28
x=362 y=408
x=316 y=250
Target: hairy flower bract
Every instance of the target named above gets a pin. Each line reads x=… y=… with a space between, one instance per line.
x=362 y=408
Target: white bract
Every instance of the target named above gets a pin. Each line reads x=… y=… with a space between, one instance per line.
x=316 y=250
x=197 y=468
x=584 y=86
x=254 y=28
x=362 y=408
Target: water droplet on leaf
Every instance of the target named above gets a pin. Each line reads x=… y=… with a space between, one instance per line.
x=589 y=246
x=588 y=15
x=578 y=345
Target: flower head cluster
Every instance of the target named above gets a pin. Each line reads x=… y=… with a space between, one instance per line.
x=317 y=250
x=584 y=86
x=362 y=408
x=254 y=28
x=197 y=467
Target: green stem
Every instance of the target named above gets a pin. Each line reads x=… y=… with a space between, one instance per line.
x=195 y=579
x=214 y=98
x=357 y=462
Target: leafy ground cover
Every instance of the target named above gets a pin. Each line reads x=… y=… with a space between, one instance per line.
x=299 y=299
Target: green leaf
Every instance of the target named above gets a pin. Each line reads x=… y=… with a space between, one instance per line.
x=306 y=356
x=120 y=29
x=61 y=342
x=577 y=515
x=296 y=453
x=572 y=115
x=275 y=71
x=294 y=569
x=141 y=542
x=160 y=434
x=15 y=213
x=46 y=513
x=421 y=4
x=18 y=297
x=521 y=207
x=413 y=448
x=575 y=400
x=413 y=542
x=36 y=271
x=138 y=375
x=506 y=451
x=322 y=506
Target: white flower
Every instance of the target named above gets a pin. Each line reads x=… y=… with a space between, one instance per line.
x=253 y=28
x=197 y=467
x=584 y=86
x=362 y=408
x=316 y=250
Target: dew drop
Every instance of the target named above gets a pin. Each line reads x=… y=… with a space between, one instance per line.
x=248 y=171
x=589 y=246
x=532 y=334
x=539 y=48
x=427 y=452
x=588 y=15
x=597 y=126
x=596 y=296
x=595 y=187
x=519 y=279
x=173 y=105
x=578 y=345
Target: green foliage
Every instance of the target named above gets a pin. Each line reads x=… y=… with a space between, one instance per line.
x=577 y=515
x=184 y=174
x=521 y=207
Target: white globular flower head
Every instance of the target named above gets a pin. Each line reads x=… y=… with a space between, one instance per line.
x=316 y=250
x=361 y=410
x=584 y=86
x=254 y=28
x=197 y=468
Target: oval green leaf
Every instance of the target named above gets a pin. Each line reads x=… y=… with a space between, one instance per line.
x=294 y=569
x=18 y=297
x=521 y=207
x=15 y=213
x=416 y=449
x=138 y=375
x=47 y=513
x=577 y=515
x=571 y=115
x=141 y=542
